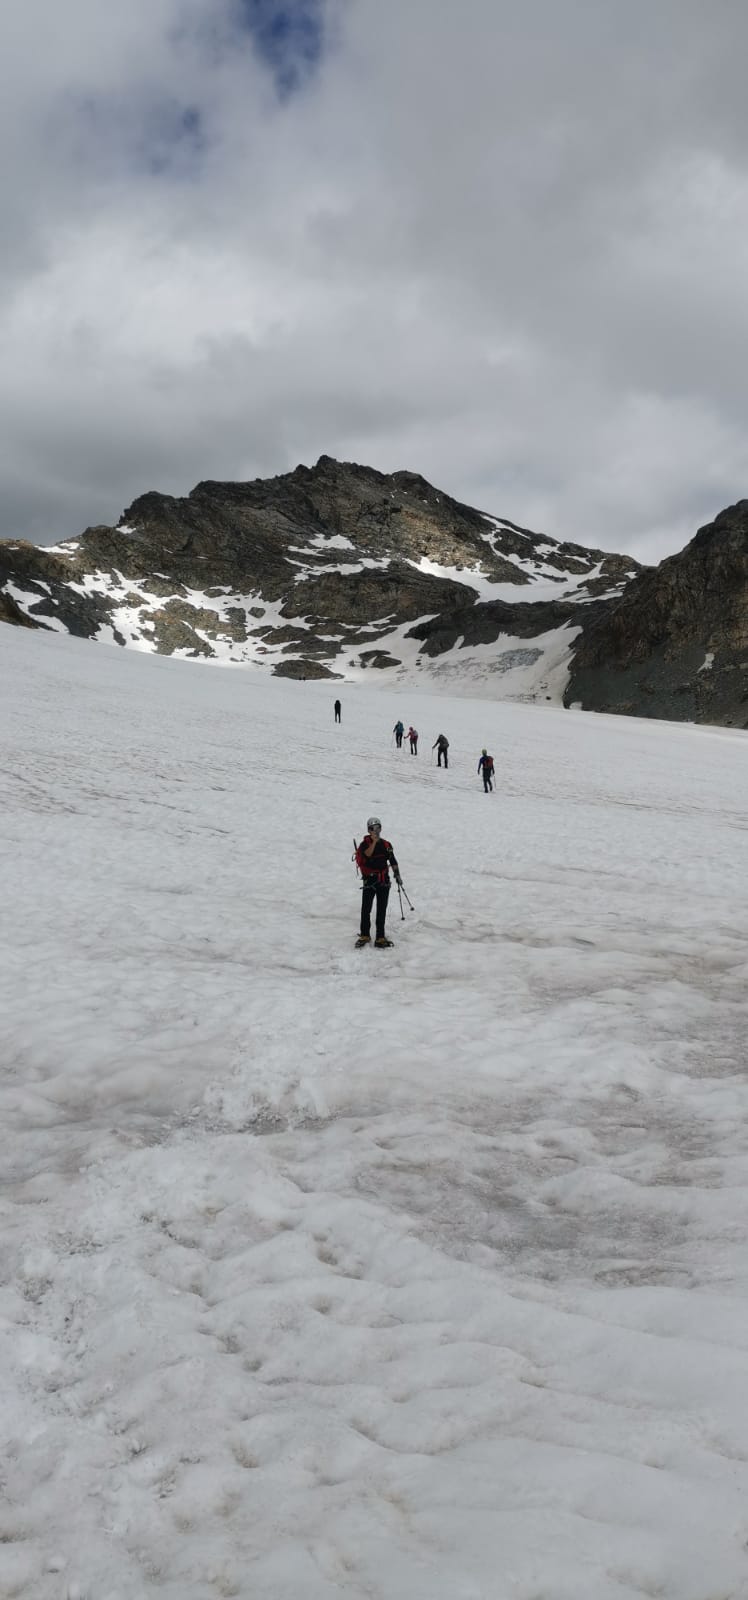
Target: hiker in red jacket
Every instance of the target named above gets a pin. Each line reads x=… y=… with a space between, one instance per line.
x=413 y=736
x=374 y=857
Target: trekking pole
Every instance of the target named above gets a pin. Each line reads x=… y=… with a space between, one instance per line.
x=402 y=913
x=353 y=857
x=405 y=892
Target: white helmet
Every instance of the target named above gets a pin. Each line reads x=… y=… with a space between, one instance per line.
x=373 y=822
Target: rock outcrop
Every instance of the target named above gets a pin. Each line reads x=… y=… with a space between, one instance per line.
x=675 y=645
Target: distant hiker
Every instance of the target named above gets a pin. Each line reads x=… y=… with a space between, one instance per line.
x=413 y=736
x=441 y=746
x=398 y=731
x=337 y=710
x=374 y=857
x=486 y=765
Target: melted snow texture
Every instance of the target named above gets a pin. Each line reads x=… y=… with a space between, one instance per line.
x=418 y=1274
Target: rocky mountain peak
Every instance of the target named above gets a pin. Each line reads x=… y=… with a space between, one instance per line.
x=335 y=569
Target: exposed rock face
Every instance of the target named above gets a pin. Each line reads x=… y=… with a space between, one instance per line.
x=676 y=644
x=43 y=578
x=487 y=623
x=11 y=612
x=319 y=572
x=303 y=670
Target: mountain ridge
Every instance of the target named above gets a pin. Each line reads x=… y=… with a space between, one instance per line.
x=341 y=571
x=333 y=570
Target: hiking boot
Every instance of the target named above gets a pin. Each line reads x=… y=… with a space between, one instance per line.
x=383 y=944
x=363 y=938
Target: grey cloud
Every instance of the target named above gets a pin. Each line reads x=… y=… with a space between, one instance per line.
x=504 y=246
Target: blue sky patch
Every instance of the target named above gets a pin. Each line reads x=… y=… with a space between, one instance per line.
x=175 y=138
x=288 y=37
x=157 y=137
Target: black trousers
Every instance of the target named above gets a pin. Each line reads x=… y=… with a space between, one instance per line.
x=487 y=783
x=398 y=740
x=371 y=892
x=337 y=713
x=439 y=755
x=414 y=747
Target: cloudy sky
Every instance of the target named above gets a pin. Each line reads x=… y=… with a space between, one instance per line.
x=505 y=245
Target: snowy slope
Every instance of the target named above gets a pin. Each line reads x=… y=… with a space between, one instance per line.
x=411 y=1274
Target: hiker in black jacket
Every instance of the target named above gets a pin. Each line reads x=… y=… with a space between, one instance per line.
x=485 y=765
x=441 y=746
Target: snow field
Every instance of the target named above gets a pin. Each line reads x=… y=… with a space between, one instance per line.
x=415 y=1273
